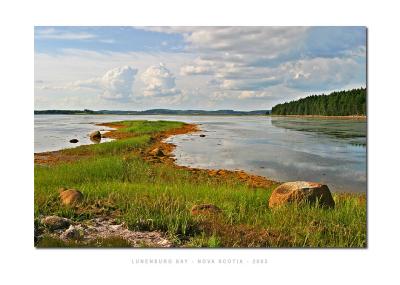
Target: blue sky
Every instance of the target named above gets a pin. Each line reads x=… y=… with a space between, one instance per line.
x=242 y=68
x=118 y=39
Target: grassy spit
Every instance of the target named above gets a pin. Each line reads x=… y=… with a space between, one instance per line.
x=116 y=181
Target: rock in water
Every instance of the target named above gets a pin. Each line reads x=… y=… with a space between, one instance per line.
x=73 y=141
x=301 y=192
x=70 y=196
x=202 y=136
x=205 y=209
x=55 y=222
x=95 y=136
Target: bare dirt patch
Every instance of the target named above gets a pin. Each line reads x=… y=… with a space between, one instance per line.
x=101 y=229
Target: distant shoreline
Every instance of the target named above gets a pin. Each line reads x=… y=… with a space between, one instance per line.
x=200 y=115
x=353 y=117
x=155 y=112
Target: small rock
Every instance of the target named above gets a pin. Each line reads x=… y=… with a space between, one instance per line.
x=73 y=141
x=95 y=136
x=55 y=222
x=202 y=136
x=72 y=232
x=157 y=152
x=205 y=209
x=301 y=192
x=70 y=196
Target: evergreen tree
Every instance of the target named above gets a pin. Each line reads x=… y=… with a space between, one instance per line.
x=339 y=103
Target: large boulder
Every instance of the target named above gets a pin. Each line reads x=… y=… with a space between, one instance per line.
x=95 y=136
x=55 y=222
x=301 y=192
x=70 y=196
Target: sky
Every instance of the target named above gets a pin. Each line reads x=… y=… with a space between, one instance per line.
x=210 y=68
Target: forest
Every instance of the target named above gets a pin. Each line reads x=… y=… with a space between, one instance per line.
x=338 y=103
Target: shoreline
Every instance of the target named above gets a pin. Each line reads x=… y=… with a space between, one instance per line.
x=134 y=192
x=158 y=142
x=169 y=159
x=322 y=117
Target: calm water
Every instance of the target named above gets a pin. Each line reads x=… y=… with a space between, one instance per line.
x=284 y=149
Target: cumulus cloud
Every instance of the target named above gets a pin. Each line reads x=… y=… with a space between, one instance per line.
x=243 y=67
x=159 y=82
x=115 y=84
x=252 y=60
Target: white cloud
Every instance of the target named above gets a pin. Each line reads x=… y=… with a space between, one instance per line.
x=53 y=34
x=159 y=82
x=195 y=70
x=320 y=73
x=268 y=41
x=230 y=67
x=253 y=95
x=115 y=84
x=220 y=95
x=252 y=60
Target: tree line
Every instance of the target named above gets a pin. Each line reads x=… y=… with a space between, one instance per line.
x=338 y=103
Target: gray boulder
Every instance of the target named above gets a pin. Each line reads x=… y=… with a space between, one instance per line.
x=55 y=222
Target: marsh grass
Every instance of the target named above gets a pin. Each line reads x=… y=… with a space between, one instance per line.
x=141 y=127
x=116 y=181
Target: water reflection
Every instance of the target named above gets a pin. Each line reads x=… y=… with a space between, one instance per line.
x=283 y=150
x=353 y=131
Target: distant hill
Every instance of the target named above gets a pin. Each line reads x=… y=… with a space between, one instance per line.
x=153 y=112
x=340 y=103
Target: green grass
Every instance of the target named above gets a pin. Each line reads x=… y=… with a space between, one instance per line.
x=148 y=127
x=159 y=197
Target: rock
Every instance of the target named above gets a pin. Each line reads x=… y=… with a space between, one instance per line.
x=202 y=136
x=205 y=209
x=55 y=222
x=301 y=192
x=95 y=136
x=157 y=152
x=73 y=141
x=70 y=196
x=72 y=232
